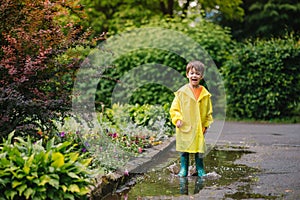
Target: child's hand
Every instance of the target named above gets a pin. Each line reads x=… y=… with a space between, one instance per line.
x=204 y=130
x=179 y=123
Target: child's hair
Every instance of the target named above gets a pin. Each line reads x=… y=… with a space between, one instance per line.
x=197 y=65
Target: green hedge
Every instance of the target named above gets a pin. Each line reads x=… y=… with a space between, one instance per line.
x=212 y=38
x=262 y=79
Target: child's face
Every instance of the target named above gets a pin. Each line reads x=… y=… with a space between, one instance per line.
x=194 y=77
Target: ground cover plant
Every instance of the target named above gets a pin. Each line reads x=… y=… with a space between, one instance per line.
x=124 y=131
x=28 y=170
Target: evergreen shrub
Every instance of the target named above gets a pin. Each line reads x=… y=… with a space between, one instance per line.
x=262 y=79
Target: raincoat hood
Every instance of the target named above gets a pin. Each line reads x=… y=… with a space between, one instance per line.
x=187 y=90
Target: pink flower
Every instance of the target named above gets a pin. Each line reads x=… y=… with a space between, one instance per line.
x=140 y=149
x=62 y=134
x=115 y=135
x=126 y=173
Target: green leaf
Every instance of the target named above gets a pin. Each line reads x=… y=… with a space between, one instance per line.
x=46 y=157
x=20 y=174
x=28 y=164
x=86 y=162
x=74 y=188
x=73 y=175
x=9 y=194
x=54 y=183
x=74 y=156
x=44 y=179
x=28 y=192
x=21 y=189
x=30 y=178
x=61 y=146
x=41 y=189
x=16 y=183
x=50 y=144
x=10 y=136
x=4 y=181
x=84 y=191
x=58 y=159
x=69 y=196
x=64 y=188
x=55 y=176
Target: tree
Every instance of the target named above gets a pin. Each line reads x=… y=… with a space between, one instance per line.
x=34 y=81
x=116 y=15
x=217 y=10
x=267 y=18
x=274 y=17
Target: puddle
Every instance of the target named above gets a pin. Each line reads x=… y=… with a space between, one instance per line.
x=243 y=193
x=247 y=195
x=160 y=182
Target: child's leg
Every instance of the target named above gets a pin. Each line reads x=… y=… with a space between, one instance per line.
x=199 y=164
x=184 y=164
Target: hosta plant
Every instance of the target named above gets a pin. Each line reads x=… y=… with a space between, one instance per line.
x=30 y=171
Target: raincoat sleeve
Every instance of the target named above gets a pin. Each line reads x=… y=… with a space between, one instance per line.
x=208 y=120
x=175 y=110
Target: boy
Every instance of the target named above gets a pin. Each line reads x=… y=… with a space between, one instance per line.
x=191 y=113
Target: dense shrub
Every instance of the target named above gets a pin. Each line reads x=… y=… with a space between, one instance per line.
x=35 y=80
x=30 y=171
x=262 y=79
x=215 y=40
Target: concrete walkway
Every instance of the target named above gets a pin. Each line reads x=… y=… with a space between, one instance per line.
x=276 y=148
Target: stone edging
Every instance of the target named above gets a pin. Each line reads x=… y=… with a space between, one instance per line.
x=139 y=164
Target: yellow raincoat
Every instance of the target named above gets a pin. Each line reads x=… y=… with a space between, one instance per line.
x=195 y=116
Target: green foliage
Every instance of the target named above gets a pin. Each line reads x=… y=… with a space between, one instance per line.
x=30 y=171
x=154 y=118
x=113 y=16
x=262 y=79
x=124 y=131
x=214 y=40
x=141 y=115
x=36 y=81
x=135 y=127
x=273 y=18
x=220 y=10
x=266 y=19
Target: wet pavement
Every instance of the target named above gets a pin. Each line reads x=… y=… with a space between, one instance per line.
x=276 y=148
x=269 y=151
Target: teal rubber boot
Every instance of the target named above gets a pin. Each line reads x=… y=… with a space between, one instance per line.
x=198 y=185
x=184 y=187
x=184 y=164
x=199 y=165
